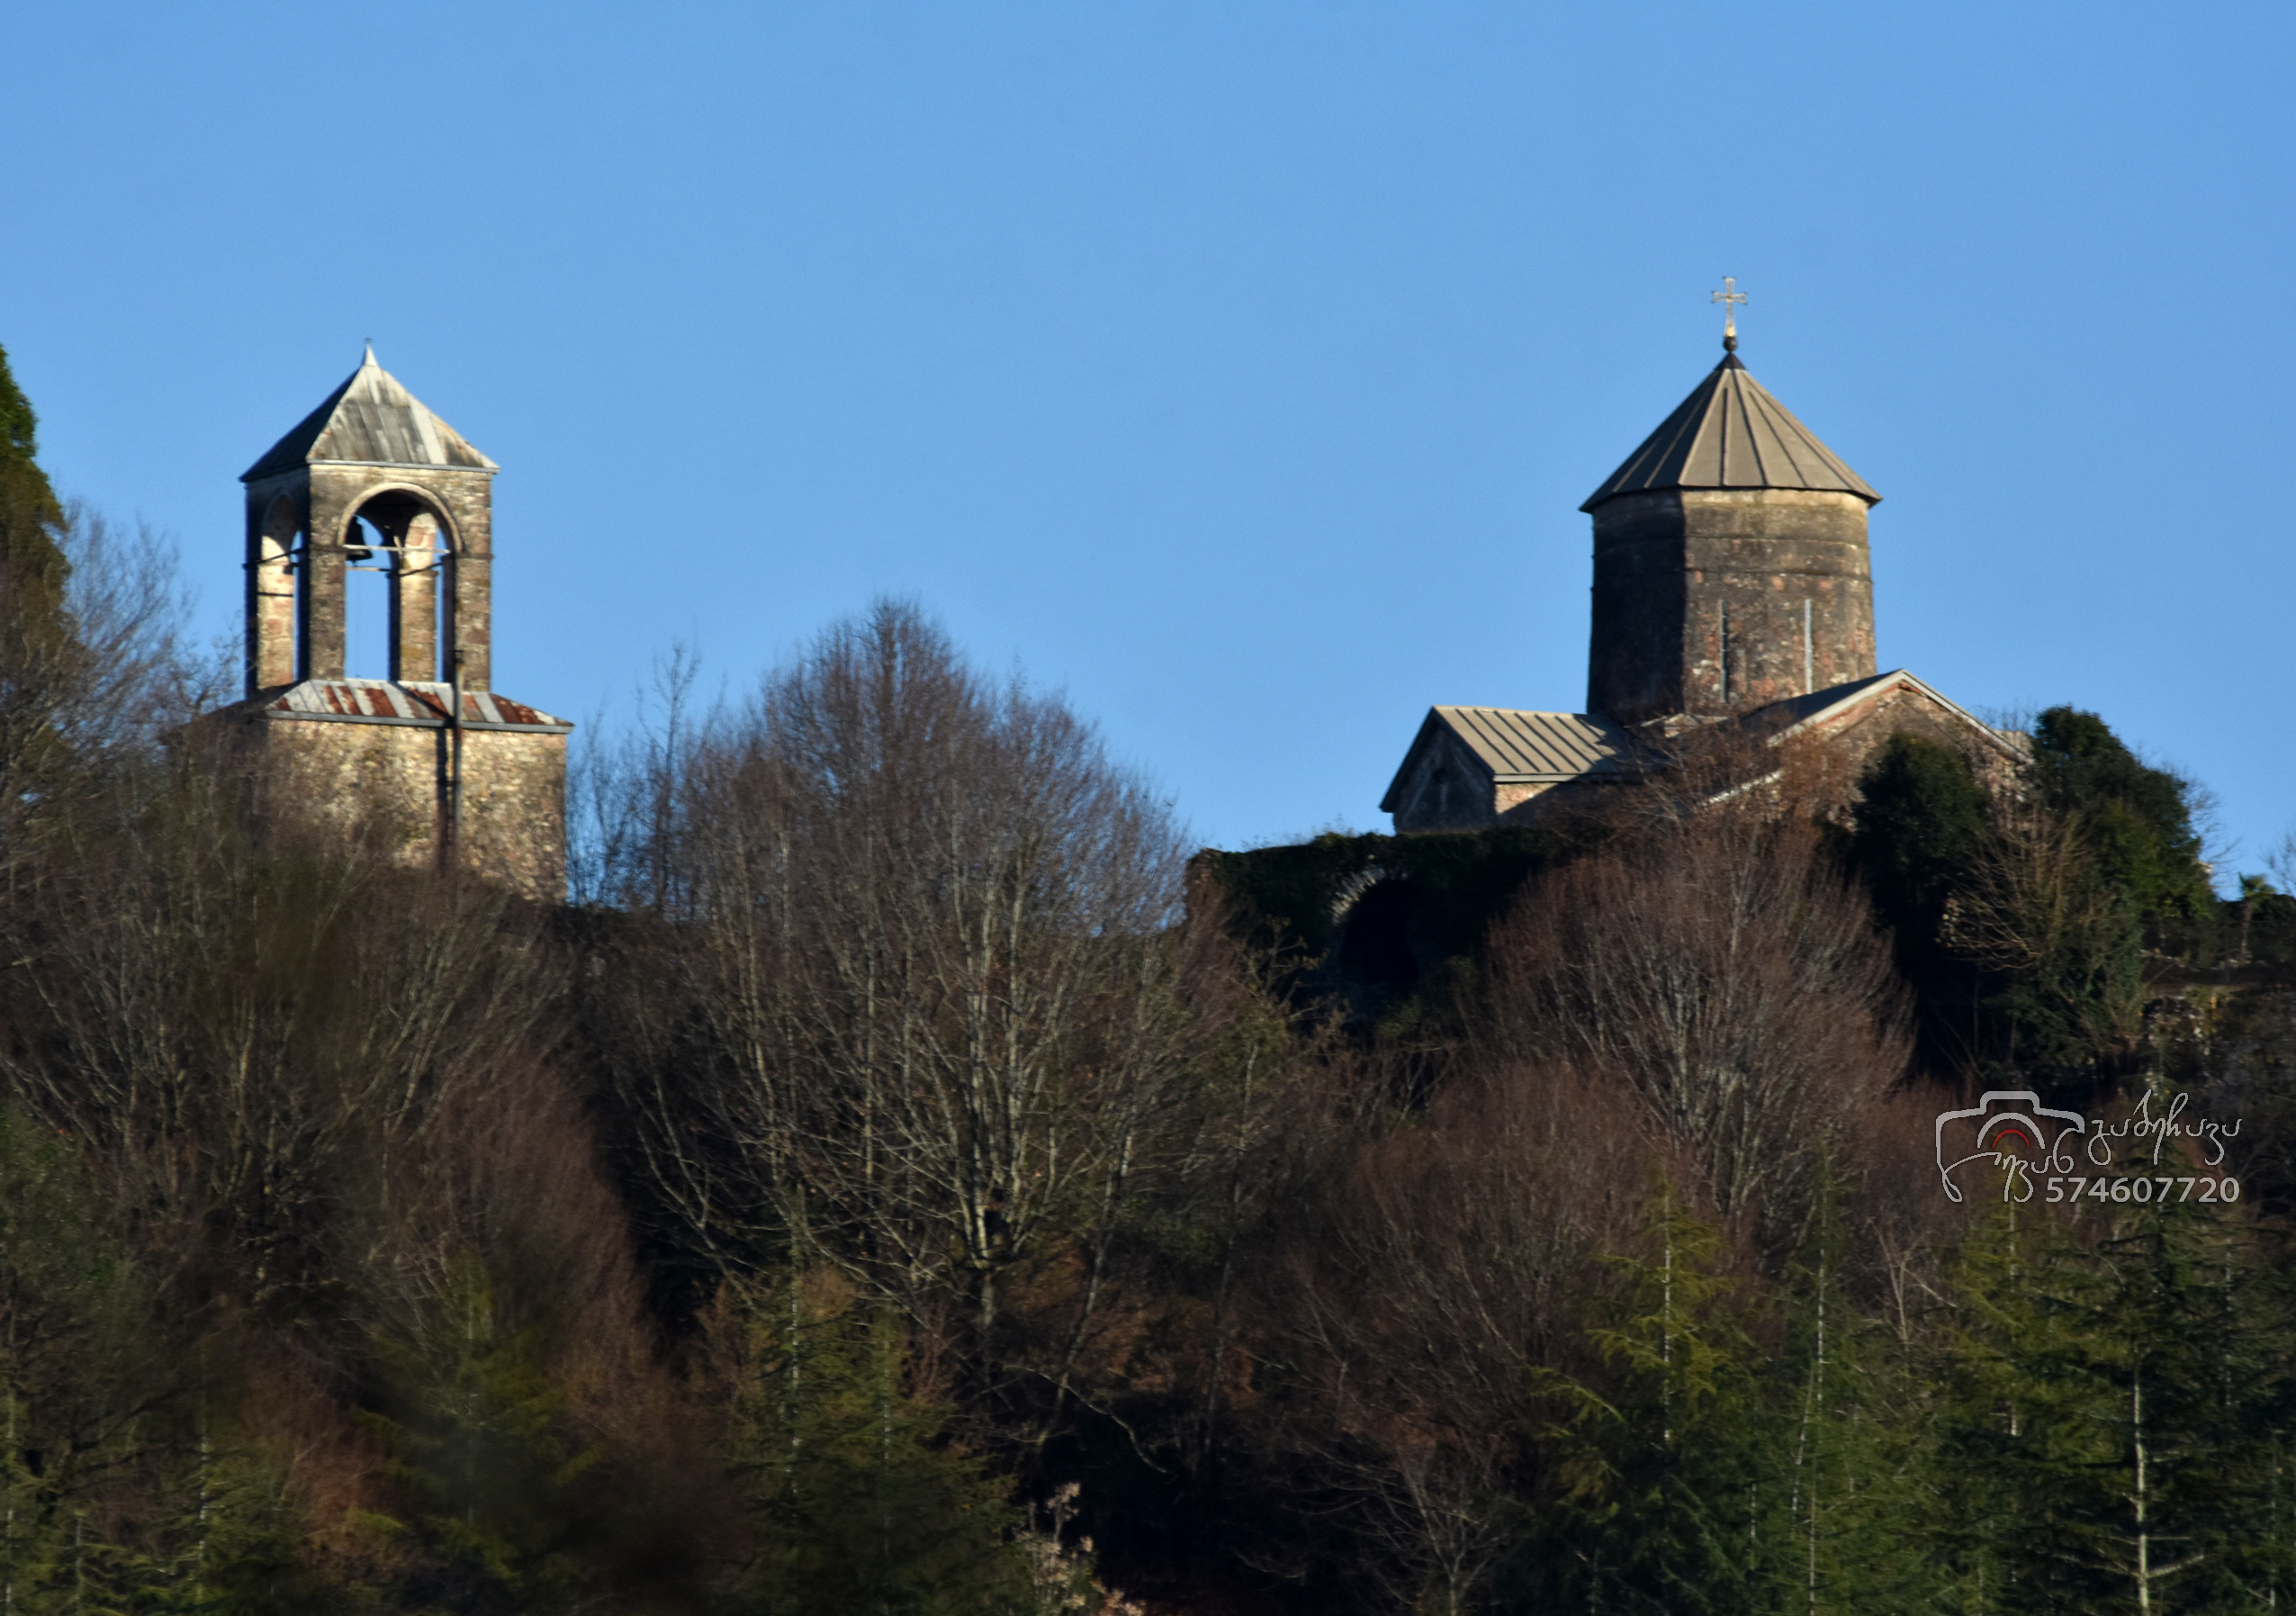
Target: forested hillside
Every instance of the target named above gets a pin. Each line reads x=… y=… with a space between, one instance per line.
x=902 y=1179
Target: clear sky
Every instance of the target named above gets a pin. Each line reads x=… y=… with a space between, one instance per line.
x=1236 y=368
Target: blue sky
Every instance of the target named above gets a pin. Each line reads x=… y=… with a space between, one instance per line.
x=1236 y=368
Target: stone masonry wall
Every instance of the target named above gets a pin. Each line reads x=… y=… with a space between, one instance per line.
x=514 y=808
x=1634 y=651
x=1715 y=600
x=393 y=777
x=1831 y=758
x=1449 y=790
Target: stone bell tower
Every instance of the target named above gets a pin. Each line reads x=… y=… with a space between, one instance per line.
x=1731 y=563
x=371 y=480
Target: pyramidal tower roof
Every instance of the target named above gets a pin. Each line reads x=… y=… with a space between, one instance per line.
x=371 y=420
x=1730 y=433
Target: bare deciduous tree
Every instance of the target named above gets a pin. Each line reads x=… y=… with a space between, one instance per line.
x=88 y=688
x=926 y=935
x=1442 y=1272
x=1724 y=978
x=257 y=1034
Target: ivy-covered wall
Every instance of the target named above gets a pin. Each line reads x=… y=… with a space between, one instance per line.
x=1379 y=912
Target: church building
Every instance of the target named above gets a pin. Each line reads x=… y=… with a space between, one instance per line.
x=372 y=482
x=1732 y=585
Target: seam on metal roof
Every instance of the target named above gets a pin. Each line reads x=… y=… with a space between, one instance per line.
x=370 y=420
x=1523 y=744
x=1730 y=432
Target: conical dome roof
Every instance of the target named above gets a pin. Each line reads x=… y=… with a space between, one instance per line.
x=372 y=420
x=1730 y=433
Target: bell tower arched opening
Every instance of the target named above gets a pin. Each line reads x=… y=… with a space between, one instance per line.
x=366 y=602
x=395 y=555
x=272 y=599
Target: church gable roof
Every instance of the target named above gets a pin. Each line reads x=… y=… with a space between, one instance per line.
x=1731 y=433
x=370 y=420
x=1823 y=713
x=1522 y=748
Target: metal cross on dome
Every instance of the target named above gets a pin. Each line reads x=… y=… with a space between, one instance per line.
x=1730 y=297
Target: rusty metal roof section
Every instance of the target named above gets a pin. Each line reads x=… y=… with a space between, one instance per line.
x=385 y=701
x=1731 y=433
x=1523 y=748
x=371 y=420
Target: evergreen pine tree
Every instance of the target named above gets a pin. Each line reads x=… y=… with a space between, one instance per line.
x=2107 y=1442
x=864 y=1505
x=31 y=564
x=1848 y=1434
x=80 y=1384
x=485 y=1463
x=1665 y=1464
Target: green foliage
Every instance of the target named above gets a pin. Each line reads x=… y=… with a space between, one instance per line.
x=1846 y=1439
x=115 y=1495
x=1409 y=913
x=2137 y=821
x=2258 y=929
x=2022 y=924
x=1921 y=824
x=1659 y=1460
x=864 y=1503
x=481 y=1454
x=235 y=1542
x=31 y=516
x=2268 y=928
x=2072 y=1011
x=2103 y=1426
x=72 y=1375
x=1744 y=1450
x=19 y=426
x=2111 y=1418
x=220 y=1539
